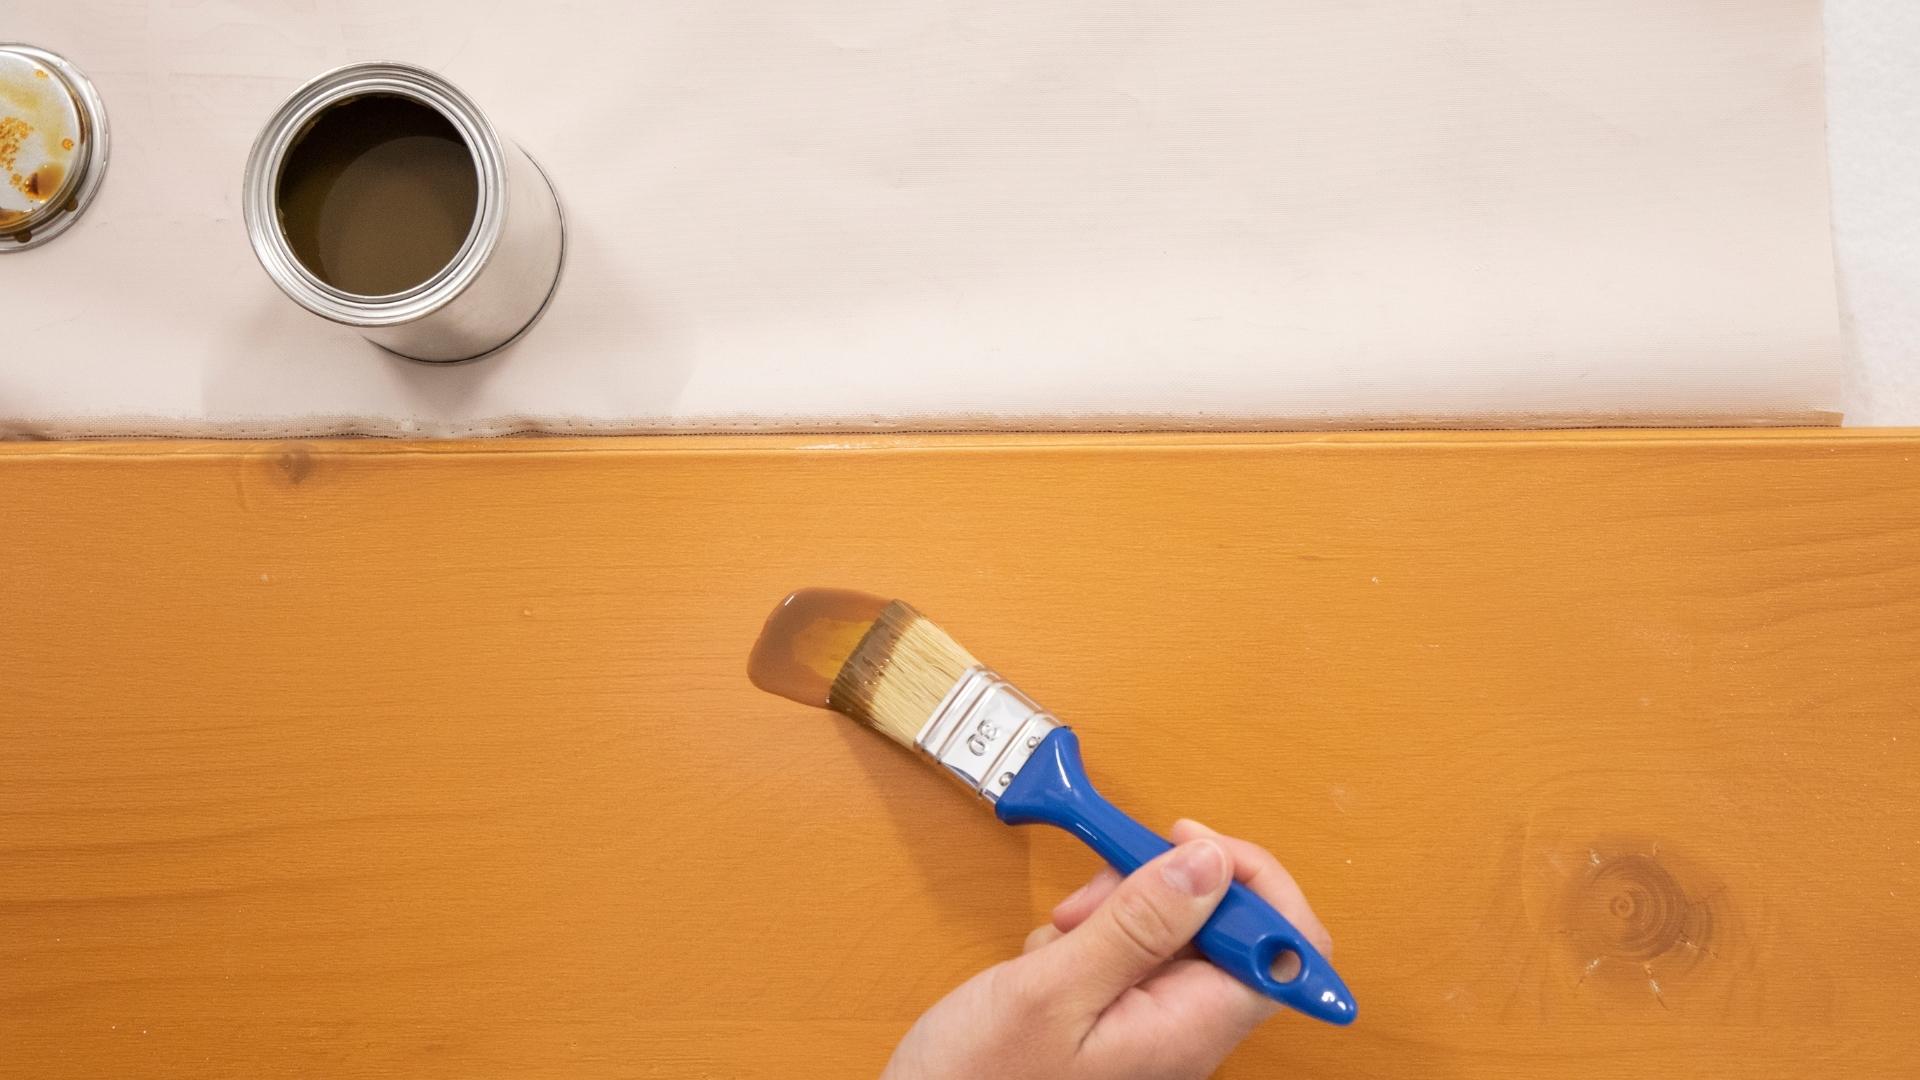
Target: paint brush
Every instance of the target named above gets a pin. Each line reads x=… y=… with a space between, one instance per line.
x=881 y=663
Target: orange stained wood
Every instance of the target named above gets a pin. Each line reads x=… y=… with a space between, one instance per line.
x=1598 y=753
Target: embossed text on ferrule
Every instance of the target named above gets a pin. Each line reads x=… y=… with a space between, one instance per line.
x=984 y=730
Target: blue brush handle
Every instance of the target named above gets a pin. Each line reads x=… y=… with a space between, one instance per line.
x=1245 y=933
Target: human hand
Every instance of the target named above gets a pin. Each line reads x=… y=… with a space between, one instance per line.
x=1110 y=989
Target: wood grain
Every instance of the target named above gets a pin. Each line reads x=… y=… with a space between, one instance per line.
x=1598 y=753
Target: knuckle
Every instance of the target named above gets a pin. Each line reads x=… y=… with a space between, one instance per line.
x=1040 y=937
x=1033 y=990
x=1141 y=927
x=1256 y=853
x=1257 y=860
x=1015 y=985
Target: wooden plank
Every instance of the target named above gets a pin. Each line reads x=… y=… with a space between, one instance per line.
x=1597 y=752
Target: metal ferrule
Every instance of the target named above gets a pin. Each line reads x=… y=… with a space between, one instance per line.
x=984 y=731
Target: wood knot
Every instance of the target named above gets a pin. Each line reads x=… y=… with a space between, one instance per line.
x=1640 y=921
x=1632 y=908
x=1643 y=923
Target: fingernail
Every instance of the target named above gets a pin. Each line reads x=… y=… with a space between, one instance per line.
x=1074 y=895
x=1196 y=868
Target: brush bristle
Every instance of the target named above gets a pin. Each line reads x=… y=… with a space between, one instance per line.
x=899 y=673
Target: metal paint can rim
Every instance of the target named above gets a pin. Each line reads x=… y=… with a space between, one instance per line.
x=260 y=195
x=546 y=301
x=83 y=183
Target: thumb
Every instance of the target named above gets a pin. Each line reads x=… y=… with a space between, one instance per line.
x=1150 y=917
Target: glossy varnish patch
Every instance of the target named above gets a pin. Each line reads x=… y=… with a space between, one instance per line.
x=808 y=639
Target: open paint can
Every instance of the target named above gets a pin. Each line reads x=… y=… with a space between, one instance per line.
x=380 y=197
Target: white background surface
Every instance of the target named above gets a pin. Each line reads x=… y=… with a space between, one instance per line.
x=787 y=216
x=1873 y=73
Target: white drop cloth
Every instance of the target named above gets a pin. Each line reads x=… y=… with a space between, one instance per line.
x=994 y=213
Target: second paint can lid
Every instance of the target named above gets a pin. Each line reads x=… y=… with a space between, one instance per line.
x=53 y=145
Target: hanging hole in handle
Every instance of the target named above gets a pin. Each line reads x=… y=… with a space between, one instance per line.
x=1283 y=964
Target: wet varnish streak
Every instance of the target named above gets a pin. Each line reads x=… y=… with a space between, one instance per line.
x=1599 y=755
